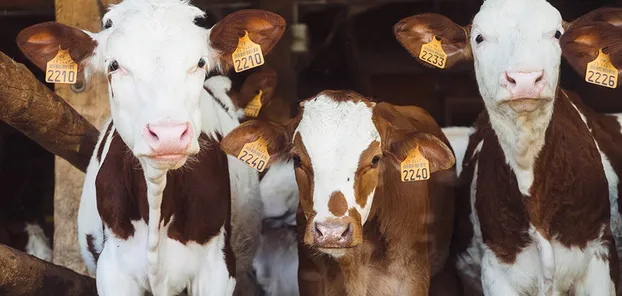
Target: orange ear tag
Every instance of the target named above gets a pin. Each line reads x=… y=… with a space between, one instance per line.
x=255 y=154
x=254 y=106
x=601 y=71
x=415 y=167
x=247 y=55
x=61 y=69
x=433 y=53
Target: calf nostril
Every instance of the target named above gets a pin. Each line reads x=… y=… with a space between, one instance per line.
x=317 y=229
x=348 y=231
x=153 y=134
x=510 y=79
x=539 y=78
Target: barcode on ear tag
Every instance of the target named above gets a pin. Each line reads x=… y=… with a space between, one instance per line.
x=61 y=69
x=255 y=154
x=433 y=53
x=247 y=55
x=254 y=106
x=415 y=167
x=601 y=71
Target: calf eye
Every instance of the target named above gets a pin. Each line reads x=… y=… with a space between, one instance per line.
x=558 y=34
x=479 y=39
x=113 y=66
x=201 y=63
x=374 y=161
x=297 y=161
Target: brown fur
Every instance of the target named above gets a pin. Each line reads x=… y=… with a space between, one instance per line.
x=581 y=45
x=337 y=204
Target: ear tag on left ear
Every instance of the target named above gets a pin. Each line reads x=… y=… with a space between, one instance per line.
x=61 y=69
x=415 y=167
x=254 y=106
x=433 y=53
x=247 y=55
x=601 y=71
x=255 y=154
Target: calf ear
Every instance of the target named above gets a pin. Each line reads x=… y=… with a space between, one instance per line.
x=40 y=43
x=610 y=15
x=434 y=150
x=263 y=27
x=581 y=44
x=415 y=31
x=265 y=81
x=275 y=137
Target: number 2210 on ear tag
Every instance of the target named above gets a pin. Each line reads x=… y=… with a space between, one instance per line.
x=255 y=154
x=415 y=167
x=247 y=55
x=61 y=69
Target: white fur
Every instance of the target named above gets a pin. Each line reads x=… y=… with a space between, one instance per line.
x=38 y=244
x=335 y=134
x=279 y=190
x=459 y=140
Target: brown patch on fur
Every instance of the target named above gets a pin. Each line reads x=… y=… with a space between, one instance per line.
x=91 y=247
x=366 y=177
x=100 y=149
x=357 y=234
x=337 y=204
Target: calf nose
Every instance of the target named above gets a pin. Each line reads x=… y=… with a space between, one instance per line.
x=524 y=84
x=168 y=138
x=335 y=234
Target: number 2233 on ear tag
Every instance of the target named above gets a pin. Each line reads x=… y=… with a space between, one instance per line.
x=433 y=53
x=255 y=154
x=601 y=71
x=247 y=55
x=415 y=167
x=61 y=69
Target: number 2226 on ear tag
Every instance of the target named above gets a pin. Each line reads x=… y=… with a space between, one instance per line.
x=255 y=154
x=415 y=167
x=247 y=55
x=61 y=69
x=601 y=71
x=433 y=53
x=254 y=106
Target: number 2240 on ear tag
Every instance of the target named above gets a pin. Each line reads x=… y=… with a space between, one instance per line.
x=255 y=154
x=433 y=53
x=247 y=55
x=415 y=167
x=61 y=69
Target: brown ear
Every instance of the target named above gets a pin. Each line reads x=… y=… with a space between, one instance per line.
x=581 y=44
x=274 y=135
x=40 y=43
x=264 y=80
x=263 y=27
x=434 y=150
x=610 y=15
x=415 y=31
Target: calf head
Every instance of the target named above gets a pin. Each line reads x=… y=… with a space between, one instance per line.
x=155 y=59
x=340 y=148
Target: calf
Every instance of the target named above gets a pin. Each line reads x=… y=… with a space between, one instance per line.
x=539 y=183
x=361 y=230
x=145 y=224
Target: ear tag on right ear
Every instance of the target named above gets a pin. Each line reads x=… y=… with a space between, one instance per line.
x=247 y=55
x=601 y=71
x=254 y=106
x=255 y=154
x=433 y=53
x=61 y=69
x=415 y=167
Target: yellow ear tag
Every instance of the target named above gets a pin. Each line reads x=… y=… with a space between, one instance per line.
x=255 y=154
x=254 y=106
x=601 y=72
x=61 y=69
x=415 y=167
x=433 y=53
x=247 y=55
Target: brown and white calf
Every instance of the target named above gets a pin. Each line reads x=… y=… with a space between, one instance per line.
x=162 y=208
x=361 y=230
x=541 y=172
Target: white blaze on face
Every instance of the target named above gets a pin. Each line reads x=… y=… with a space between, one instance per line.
x=335 y=134
x=517 y=37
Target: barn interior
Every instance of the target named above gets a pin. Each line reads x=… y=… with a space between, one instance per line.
x=330 y=44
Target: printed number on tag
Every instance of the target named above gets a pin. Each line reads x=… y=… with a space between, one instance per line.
x=61 y=69
x=247 y=55
x=255 y=154
x=433 y=53
x=601 y=71
x=415 y=167
x=254 y=106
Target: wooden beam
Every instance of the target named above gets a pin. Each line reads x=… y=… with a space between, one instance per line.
x=93 y=105
x=30 y=107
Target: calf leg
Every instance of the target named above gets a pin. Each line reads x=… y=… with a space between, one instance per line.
x=113 y=280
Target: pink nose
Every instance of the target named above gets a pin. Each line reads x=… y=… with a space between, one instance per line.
x=168 y=138
x=333 y=233
x=524 y=84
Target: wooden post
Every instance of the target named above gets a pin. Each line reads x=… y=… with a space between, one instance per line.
x=92 y=103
